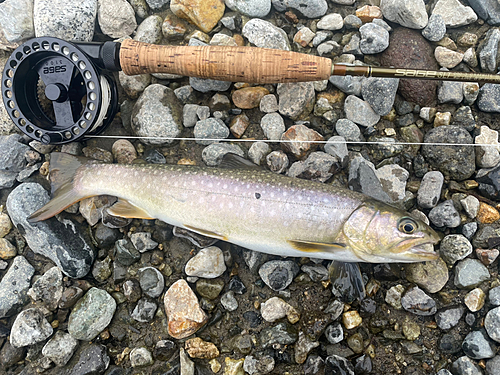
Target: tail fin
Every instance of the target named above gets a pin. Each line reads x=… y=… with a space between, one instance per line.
x=63 y=168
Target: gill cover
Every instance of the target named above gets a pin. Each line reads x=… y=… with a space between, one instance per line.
x=376 y=231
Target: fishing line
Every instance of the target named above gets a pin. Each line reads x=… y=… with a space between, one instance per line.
x=248 y=140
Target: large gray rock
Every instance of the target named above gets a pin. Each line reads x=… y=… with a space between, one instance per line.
x=250 y=8
x=157 y=113
x=71 y=20
x=63 y=241
x=454 y=13
x=16 y=21
x=91 y=314
x=265 y=35
x=14 y=286
x=60 y=348
x=411 y=14
x=12 y=159
x=309 y=8
x=488 y=10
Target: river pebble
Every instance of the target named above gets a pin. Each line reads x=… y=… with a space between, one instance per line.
x=449 y=317
x=213 y=154
x=374 y=38
x=144 y=311
x=431 y=276
x=469 y=273
x=228 y=301
x=477 y=345
x=208 y=263
x=435 y=29
x=281 y=333
x=116 y=18
x=454 y=247
x=60 y=348
x=151 y=281
x=410 y=14
x=140 y=357
x=48 y=289
x=275 y=308
x=360 y=112
x=465 y=366
x=417 y=302
x=445 y=215
x=454 y=13
x=265 y=35
x=278 y=274
x=307 y=137
x=296 y=100
x=29 y=328
x=185 y=316
x=94 y=359
x=380 y=94
x=273 y=126
x=91 y=314
x=262 y=365
x=318 y=166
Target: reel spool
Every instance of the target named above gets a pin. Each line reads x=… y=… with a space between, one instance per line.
x=54 y=92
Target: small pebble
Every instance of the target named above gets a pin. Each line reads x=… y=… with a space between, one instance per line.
x=418 y=303
x=197 y=348
x=278 y=274
x=469 y=273
x=475 y=299
x=454 y=247
x=478 y=346
x=208 y=263
x=351 y=319
x=140 y=357
x=449 y=317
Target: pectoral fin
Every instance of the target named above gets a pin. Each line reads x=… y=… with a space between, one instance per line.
x=315 y=247
x=347 y=281
x=124 y=208
x=206 y=233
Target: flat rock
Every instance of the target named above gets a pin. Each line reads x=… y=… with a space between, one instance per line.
x=431 y=276
x=63 y=241
x=296 y=100
x=116 y=18
x=360 y=112
x=60 y=348
x=454 y=13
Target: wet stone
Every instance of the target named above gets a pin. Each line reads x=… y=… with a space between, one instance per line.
x=236 y=285
x=469 y=273
x=351 y=319
x=454 y=247
x=104 y=236
x=445 y=215
x=418 y=303
x=48 y=288
x=144 y=311
x=61 y=241
x=334 y=333
x=91 y=314
x=477 y=345
x=14 y=286
x=184 y=314
x=151 y=281
x=132 y=290
x=164 y=350
x=431 y=276
x=317 y=272
x=209 y=288
x=70 y=296
x=262 y=365
x=278 y=274
x=451 y=342
x=60 y=348
x=474 y=300
x=449 y=317
x=303 y=346
x=281 y=333
x=93 y=360
x=335 y=364
x=29 y=328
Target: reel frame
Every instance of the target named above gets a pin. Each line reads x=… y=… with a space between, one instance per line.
x=73 y=85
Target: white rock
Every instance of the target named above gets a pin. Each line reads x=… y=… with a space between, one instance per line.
x=208 y=263
x=332 y=21
x=116 y=18
x=454 y=13
x=408 y=13
x=448 y=58
x=470 y=205
x=487 y=156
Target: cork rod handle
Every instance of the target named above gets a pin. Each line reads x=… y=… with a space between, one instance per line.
x=224 y=63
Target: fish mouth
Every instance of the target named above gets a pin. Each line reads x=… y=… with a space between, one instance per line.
x=424 y=251
x=418 y=250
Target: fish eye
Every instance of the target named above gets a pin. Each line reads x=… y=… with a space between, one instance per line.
x=407 y=225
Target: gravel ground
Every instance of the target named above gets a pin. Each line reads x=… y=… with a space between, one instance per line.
x=87 y=293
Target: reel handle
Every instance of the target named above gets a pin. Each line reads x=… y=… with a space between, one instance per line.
x=236 y=64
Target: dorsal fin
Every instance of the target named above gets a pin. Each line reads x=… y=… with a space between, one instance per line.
x=234 y=161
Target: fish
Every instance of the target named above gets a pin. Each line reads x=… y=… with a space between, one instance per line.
x=251 y=207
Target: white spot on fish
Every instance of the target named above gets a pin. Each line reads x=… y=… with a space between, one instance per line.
x=213 y=198
x=193 y=183
x=286 y=223
x=230 y=205
x=326 y=200
x=242 y=203
x=224 y=186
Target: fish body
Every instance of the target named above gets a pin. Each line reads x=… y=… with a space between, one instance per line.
x=252 y=208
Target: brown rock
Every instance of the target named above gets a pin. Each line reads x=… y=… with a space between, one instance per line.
x=249 y=97
x=239 y=124
x=368 y=13
x=336 y=97
x=475 y=299
x=124 y=151
x=487 y=214
x=409 y=49
x=302 y=138
x=7 y=250
x=487 y=256
x=203 y=13
x=184 y=313
x=197 y=348
x=351 y=319
x=173 y=28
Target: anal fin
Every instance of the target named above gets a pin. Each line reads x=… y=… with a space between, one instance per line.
x=206 y=233
x=316 y=247
x=124 y=208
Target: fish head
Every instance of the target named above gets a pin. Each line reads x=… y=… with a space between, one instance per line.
x=380 y=233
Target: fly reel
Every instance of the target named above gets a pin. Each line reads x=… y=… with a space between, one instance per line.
x=56 y=91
